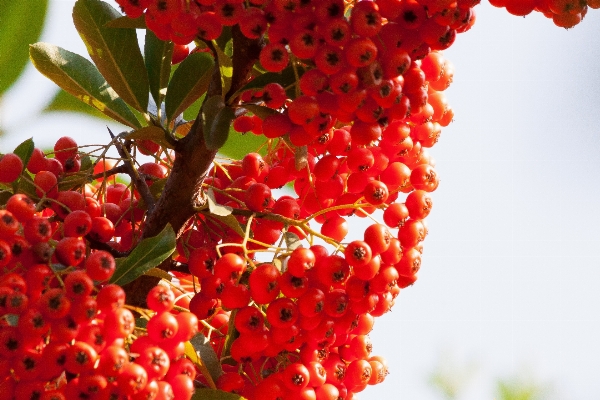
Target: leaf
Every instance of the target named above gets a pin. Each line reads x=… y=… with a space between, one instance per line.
x=292 y=241
x=64 y=101
x=260 y=111
x=210 y=109
x=240 y=144
x=81 y=78
x=114 y=51
x=215 y=208
x=73 y=180
x=284 y=78
x=231 y=222
x=154 y=133
x=225 y=67
x=21 y=23
x=216 y=137
x=159 y=273
x=206 y=356
x=148 y=254
x=126 y=22
x=157 y=57
x=188 y=83
x=24 y=151
x=214 y=394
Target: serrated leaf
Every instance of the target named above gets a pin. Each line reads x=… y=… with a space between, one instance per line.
x=292 y=241
x=207 y=356
x=148 y=254
x=157 y=57
x=189 y=82
x=64 y=101
x=225 y=67
x=126 y=22
x=218 y=133
x=21 y=23
x=81 y=78
x=260 y=111
x=24 y=151
x=284 y=78
x=215 y=208
x=115 y=52
x=214 y=394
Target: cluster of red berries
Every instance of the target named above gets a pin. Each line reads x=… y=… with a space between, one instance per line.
x=564 y=13
x=60 y=340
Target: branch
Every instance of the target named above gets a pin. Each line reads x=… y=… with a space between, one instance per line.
x=136 y=179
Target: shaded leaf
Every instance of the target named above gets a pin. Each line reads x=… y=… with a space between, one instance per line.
x=225 y=67
x=81 y=78
x=148 y=254
x=157 y=57
x=21 y=23
x=159 y=273
x=216 y=136
x=64 y=101
x=74 y=180
x=284 y=78
x=231 y=222
x=261 y=111
x=24 y=151
x=154 y=133
x=214 y=394
x=4 y=196
x=189 y=82
x=210 y=109
x=126 y=22
x=114 y=51
x=207 y=356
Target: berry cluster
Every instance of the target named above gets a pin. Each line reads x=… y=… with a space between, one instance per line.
x=564 y=13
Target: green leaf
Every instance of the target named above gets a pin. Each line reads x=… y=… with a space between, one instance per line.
x=240 y=144
x=260 y=111
x=63 y=101
x=159 y=273
x=292 y=241
x=217 y=135
x=226 y=68
x=24 y=151
x=126 y=22
x=154 y=133
x=284 y=78
x=148 y=254
x=81 y=78
x=21 y=23
x=207 y=356
x=216 y=208
x=4 y=196
x=189 y=82
x=114 y=51
x=157 y=56
x=210 y=109
x=215 y=394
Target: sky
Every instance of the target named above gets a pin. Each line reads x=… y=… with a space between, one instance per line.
x=508 y=284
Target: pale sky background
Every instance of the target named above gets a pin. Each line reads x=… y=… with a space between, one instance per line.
x=509 y=281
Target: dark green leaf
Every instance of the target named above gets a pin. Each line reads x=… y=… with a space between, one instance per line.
x=4 y=196
x=188 y=83
x=74 y=180
x=126 y=22
x=159 y=273
x=26 y=186
x=154 y=133
x=210 y=109
x=260 y=111
x=240 y=144
x=231 y=222
x=24 y=151
x=63 y=101
x=218 y=133
x=148 y=254
x=157 y=56
x=20 y=25
x=81 y=78
x=141 y=323
x=284 y=78
x=86 y=163
x=114 y=51
x=208 y=356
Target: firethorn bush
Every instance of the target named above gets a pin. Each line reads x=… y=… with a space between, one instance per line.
x=170 y=271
